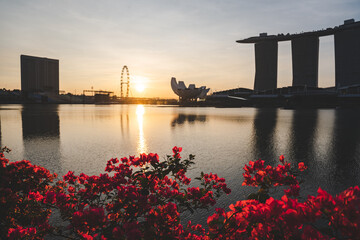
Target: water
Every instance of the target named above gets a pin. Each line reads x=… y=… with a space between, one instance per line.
x=83 y=137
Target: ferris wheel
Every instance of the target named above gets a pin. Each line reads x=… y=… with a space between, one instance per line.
x=122 y=82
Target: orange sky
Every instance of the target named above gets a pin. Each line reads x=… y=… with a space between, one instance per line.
x=193 y=41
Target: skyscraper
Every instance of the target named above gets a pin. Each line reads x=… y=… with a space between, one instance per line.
x=39 y=75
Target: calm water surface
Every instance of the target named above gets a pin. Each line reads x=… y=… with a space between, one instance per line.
x=83 y=137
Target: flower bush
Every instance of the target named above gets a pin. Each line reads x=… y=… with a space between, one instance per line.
x=143 y=198
x=263 y=217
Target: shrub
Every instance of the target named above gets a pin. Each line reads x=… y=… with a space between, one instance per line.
x=143 y=198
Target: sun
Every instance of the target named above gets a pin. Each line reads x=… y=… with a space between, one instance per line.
x=140 y=87
x=140 y=83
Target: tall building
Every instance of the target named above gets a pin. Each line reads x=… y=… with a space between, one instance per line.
x=305 y=60
x=266 y=56
x=39 y=75
x=347 y=54
x=305 y=56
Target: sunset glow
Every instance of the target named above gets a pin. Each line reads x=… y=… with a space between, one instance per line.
x=140 y=87
x=193 y=41
x=141 y=145
x=140 y=83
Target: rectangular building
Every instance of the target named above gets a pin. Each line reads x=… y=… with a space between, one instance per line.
x=266 y=55
x=347 y=55
x=305 y=61
x=39 y=75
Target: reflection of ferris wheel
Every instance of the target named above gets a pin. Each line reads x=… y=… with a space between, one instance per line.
x=122 y=82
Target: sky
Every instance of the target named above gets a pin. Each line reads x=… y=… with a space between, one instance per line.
x=192 y=40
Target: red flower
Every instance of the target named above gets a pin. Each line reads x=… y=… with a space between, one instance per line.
x=70 y=177
x=86 y=236
x=302 y=166
x=176 y=152
x=3 y=160
x=21 y=233
x=282 y=158
x=35 y=196
x=154 y=158
x=145 y=203
x=176 y=149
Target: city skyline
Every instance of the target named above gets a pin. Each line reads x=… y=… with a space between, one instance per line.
x=193 y=41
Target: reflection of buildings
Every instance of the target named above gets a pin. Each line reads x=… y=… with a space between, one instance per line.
x=304 y=125
x=39 y=75
x=345 y=149
x=41 y=135
x=40 y=120
x=190 y=118
x=0 y=133
x=122 y=123
x=264 y=133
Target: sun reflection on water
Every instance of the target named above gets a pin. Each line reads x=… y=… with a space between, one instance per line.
x=142 y=146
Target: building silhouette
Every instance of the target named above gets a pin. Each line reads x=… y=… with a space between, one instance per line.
x=39 y=75
x=305 y=57
x=347 y=55
x=266 y=55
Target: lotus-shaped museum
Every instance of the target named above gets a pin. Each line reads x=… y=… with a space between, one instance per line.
x=188 y=93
